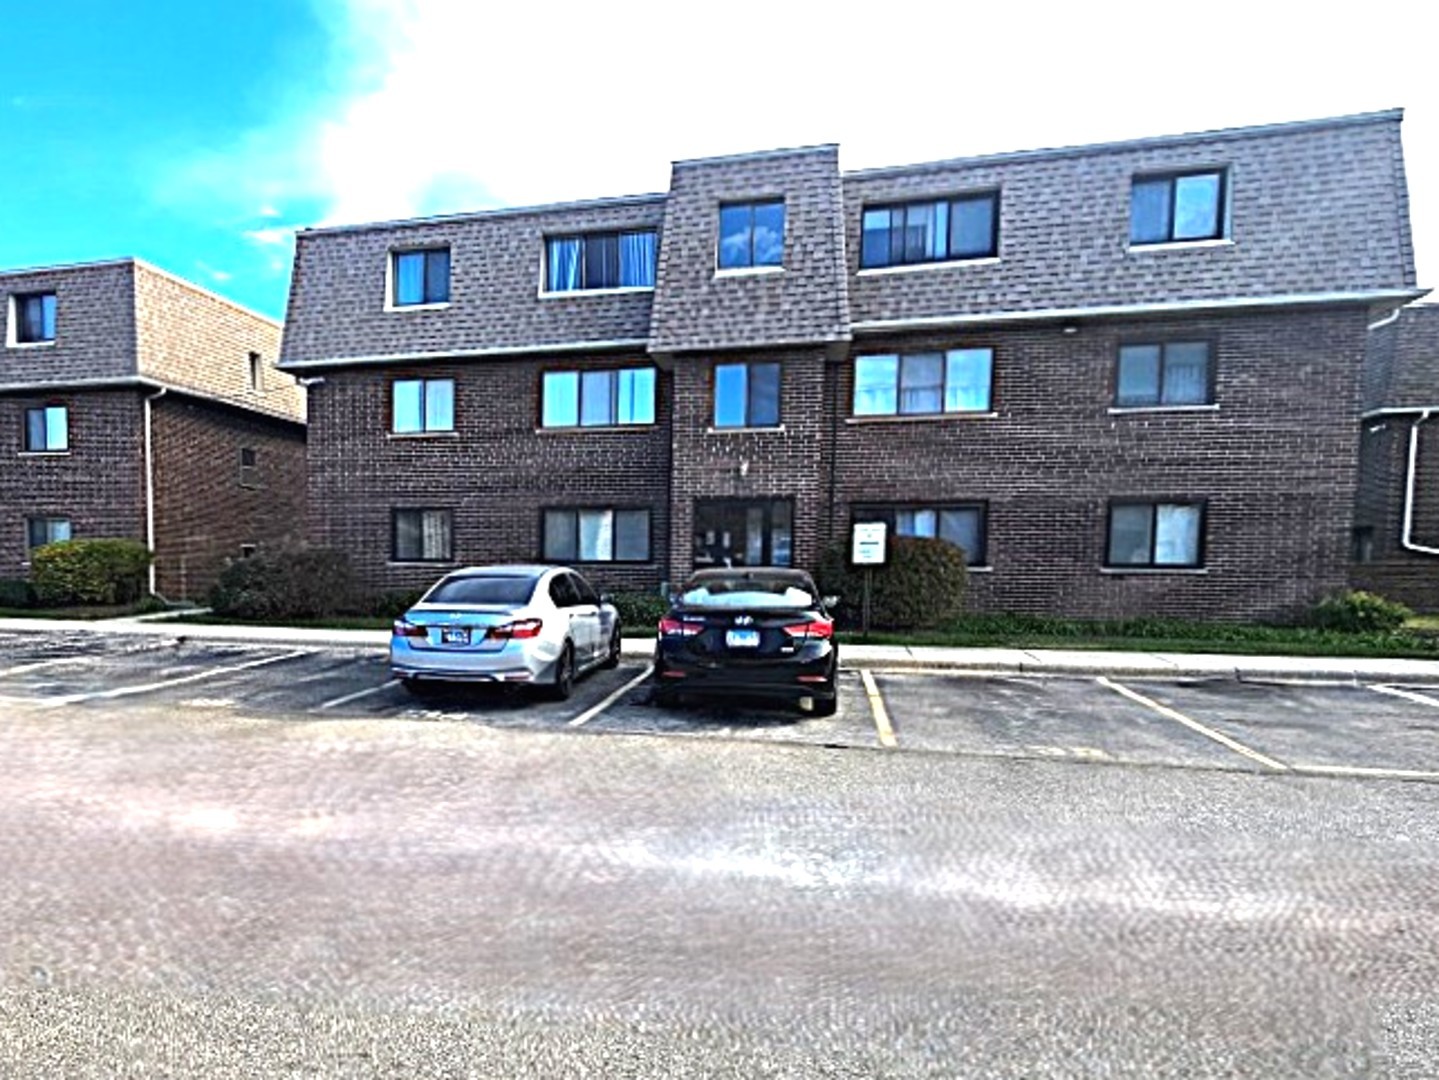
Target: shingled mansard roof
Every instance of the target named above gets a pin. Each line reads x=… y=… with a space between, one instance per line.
x=1317 y=212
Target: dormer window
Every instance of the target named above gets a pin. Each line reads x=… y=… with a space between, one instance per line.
x=609 y=260
x=1177 y=207
x=420 y=277
x=32 y=319
x=946 y=230
x=751 y=234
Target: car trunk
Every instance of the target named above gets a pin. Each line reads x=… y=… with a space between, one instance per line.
x=739 y=635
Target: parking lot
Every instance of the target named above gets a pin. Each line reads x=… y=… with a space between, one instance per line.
x=1354 y=729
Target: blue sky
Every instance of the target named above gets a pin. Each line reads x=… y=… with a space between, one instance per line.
x=200 y=135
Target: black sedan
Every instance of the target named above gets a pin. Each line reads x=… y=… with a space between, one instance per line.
x=752 y=632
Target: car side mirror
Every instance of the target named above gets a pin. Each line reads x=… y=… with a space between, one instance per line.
x=606 y=598
x=830 y=601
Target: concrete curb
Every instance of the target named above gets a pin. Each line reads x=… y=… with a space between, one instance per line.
x=977 y=661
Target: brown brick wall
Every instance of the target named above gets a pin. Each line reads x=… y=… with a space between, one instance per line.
x=751 y=464
x=1276 y=462
x=497 y=471
x=98 y=484
x=205 y=508
x=1408 y=576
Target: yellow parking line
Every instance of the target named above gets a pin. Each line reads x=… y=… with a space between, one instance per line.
x=1195 y=725
x=876 y=706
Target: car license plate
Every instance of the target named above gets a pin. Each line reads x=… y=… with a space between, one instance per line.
x=454 y=635
x=742 y=639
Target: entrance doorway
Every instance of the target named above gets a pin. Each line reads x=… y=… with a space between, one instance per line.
x=743 y=532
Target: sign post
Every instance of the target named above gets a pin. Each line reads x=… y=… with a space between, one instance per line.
x=868 y=549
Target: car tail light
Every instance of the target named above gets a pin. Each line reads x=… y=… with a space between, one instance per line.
x=672 y=627
x=410 y=630
x=520 y=628
x=817 y=629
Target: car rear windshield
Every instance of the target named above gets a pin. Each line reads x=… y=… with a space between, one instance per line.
x=778 y=593
x=483 y=590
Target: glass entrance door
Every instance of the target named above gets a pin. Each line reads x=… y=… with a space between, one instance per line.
x=734 y=532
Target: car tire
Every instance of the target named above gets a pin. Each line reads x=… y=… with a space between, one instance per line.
x=826 y=706
x=418 y=688
x=612 y=657
x=564 y=681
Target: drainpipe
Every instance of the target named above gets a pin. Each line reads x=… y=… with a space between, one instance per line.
x=1410 y=482
x=1386 y=320
x=150 y=483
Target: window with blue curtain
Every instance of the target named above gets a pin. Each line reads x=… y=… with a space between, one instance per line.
x=605 y=260
x=421 y=277
x=35 y=318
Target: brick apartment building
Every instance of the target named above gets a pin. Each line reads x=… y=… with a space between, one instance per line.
x=1396 y=524
x=134 y=404
x=1125 y=378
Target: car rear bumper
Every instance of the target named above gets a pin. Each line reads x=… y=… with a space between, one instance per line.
x=791 y=678
x=512 y=664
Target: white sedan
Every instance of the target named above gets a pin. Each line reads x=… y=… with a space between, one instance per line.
x=540 y=626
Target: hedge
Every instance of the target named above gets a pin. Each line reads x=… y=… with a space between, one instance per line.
x=921 y=586
x=104 y=571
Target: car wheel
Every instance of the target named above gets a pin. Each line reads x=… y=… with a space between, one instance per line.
x=418 y=688
x=612 y=658
x=564 y=684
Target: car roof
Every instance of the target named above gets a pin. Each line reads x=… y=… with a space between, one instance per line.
x=515 y=570
x=743 y=573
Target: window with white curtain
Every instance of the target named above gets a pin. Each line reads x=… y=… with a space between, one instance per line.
x=923 y=384
x=1159 y=374
x=1156 y=534
x=423 y=535
x=596 y=534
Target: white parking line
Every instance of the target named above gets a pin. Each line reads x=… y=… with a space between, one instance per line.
x=1195 y=725
x=876 y=706
x=1360 y=771
x=1407 y=695
x=590 y=713
x=21 y=669
x=127 y=691
x=337 y=702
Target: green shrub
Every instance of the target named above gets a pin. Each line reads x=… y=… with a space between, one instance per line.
x=921 y=587
x=73 y=572
x=639 y=611
x=16 y=593
x=388 y=605
x=307 y=584
x=1360 y=612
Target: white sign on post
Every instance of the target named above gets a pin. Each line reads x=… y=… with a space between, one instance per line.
x=868 y=546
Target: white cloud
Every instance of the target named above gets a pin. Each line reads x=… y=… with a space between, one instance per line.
x=213 y=273
x=452 y=105
x=275 y=236
x=268 y=211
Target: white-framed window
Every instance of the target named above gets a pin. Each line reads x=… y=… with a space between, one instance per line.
x=256 y=372
x=747 y=395
x=33 y=318
x=40 y=531
x=1175 y=207
x=616 y=398
x=1160 y=374
x=422 y=406
x=421 y=276
x=943 y=230
x=963 y=524
x=595 y=534
x=924 y=384
x=249 y=467
x=1156 y=534
x=606 y=260
x=422 y=535
x=47 y=429
x=751 y=234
